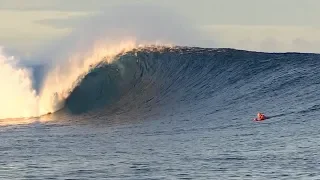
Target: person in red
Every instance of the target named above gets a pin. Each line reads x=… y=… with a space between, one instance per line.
x=260 y=117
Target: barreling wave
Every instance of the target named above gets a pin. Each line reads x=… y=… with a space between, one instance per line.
x=65 y=75
x=161 y=79
x=128 y=78
x=19 y=95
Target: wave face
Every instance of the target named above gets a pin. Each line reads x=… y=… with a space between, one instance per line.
x=149 y=81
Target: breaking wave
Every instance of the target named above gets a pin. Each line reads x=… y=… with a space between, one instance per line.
x=130 y=79
x=162 y=80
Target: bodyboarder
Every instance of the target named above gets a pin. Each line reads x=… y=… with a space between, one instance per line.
x=260 y=117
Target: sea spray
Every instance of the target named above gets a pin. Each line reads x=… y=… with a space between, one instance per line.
x=65 y=75
x=17 y=96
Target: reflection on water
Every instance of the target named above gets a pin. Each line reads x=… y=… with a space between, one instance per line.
x=24 y=121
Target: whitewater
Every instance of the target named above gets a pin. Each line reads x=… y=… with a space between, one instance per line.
x=22 y=99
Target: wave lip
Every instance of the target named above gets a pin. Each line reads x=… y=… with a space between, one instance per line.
x=67 y=74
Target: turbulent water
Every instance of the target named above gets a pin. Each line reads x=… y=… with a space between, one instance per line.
x=176 y=113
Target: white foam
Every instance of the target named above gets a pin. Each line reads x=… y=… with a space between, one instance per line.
x=17 y=97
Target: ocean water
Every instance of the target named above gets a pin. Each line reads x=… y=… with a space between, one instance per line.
x=177 y=113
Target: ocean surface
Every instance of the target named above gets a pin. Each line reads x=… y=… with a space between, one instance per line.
x=177 y=113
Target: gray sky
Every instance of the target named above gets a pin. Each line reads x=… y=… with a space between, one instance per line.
x=264 y=25
x=250 y=12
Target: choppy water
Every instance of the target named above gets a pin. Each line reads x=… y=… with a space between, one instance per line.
x=183 y=113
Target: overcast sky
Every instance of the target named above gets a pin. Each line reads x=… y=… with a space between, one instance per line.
x=263 y=25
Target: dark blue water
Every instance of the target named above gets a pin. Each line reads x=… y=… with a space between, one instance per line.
x=183 y=113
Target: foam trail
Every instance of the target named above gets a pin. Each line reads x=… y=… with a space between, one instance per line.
x=18 y=98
